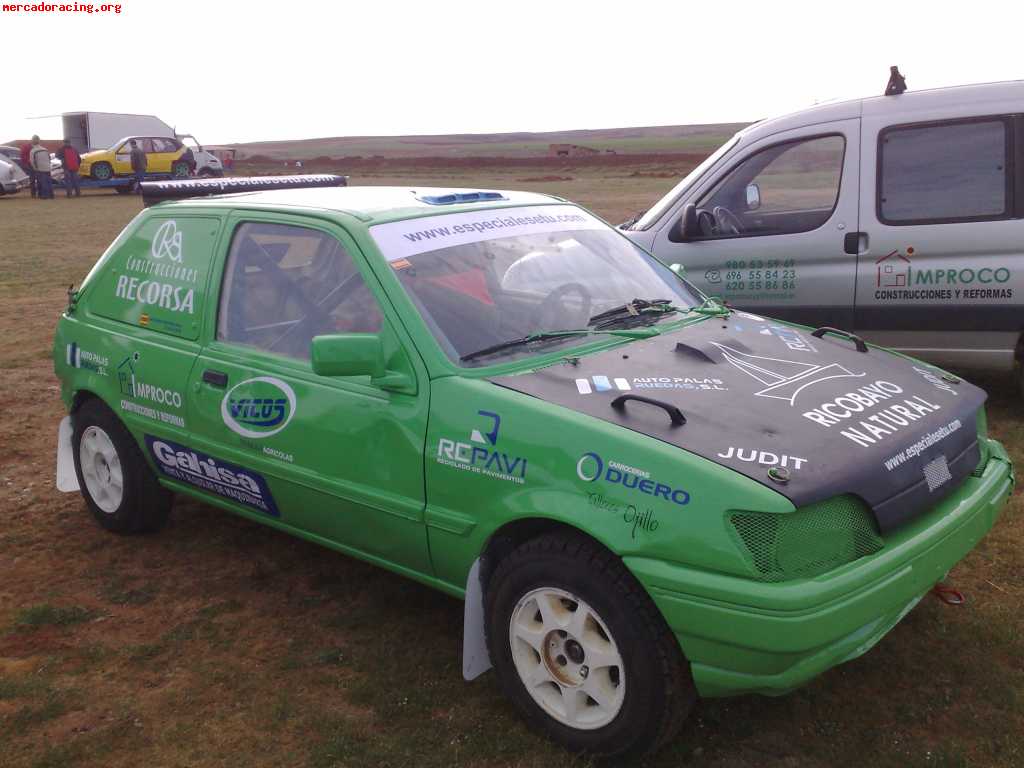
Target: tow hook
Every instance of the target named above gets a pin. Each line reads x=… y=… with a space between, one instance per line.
x=948 y=595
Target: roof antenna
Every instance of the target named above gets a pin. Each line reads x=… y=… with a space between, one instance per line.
x=897 y=83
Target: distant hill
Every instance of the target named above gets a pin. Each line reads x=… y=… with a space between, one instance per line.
x=665 y=139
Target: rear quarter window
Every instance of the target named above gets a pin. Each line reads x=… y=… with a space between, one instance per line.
x=157 y=277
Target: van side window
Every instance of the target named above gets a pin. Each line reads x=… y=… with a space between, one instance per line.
x=284 y=284
x=784 y=189
x=940 y=173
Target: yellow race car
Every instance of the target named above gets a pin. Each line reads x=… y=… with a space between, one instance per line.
x=163 y=155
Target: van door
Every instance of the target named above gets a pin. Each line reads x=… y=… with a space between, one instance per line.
x=941 y=277
x=773 y=227
x=335 y=458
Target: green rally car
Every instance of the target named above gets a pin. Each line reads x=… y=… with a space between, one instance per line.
x=641 y=495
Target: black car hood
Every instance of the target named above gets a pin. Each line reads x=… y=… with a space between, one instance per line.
x=758 y=395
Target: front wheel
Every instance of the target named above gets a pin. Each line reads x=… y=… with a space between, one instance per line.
x=101 y=171
x=119 y=488
x=582 y=651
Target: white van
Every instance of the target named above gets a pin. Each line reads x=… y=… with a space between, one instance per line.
x=900 y=218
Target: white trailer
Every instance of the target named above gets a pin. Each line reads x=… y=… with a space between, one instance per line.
x=101 y=130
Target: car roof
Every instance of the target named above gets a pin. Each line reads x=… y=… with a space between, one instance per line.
x=980 y=98
x=370 y=204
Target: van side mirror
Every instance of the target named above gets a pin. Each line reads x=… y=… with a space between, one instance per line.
x=347 y=354
x=753 y=196
x=687 y=228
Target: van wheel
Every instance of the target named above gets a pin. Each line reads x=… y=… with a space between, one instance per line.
x=119 y=488
x=101 y=171
x=582 y=651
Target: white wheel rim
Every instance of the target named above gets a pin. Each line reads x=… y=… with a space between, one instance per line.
x=101 y=469
x=567 y=659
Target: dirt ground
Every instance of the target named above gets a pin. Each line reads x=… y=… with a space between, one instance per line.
x=222 y=643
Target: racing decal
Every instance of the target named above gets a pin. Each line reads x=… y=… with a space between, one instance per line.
x=756 y=279
x=872 y=427
x=76 y=357
x=400 y=239
x=637 y=520
x=133 y=388
x=622 y=384
x=212 y=475
x=919 y=447
x=592 y=467
x=791 y=337
x=258 y=407
x=935 y=379
x=161 y=279
x=783 y=379
x=898 y=278
x=481 y=455
x=764 y=458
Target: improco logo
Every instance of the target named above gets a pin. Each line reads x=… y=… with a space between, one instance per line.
x=258 y=407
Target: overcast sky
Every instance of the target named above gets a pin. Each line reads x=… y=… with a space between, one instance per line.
x=246 y=71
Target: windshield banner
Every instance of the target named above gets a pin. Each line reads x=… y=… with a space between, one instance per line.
x=401 y=239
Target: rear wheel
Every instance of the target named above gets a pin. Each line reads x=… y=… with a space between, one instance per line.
x=102 y=171
x=119 y=488
x=582 y=651
x=180 y=170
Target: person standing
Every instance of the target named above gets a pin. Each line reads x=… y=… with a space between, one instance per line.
x=138 y=165
x=69 y=157
x=26 y=165
x=40 y=158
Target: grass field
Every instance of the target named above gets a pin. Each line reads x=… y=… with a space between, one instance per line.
x=641 y=140
x=222 y=643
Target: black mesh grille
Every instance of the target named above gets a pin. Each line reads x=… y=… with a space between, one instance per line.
x=809 y=542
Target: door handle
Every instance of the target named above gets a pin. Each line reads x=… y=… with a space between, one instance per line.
x=215 y=378
x=855 y=243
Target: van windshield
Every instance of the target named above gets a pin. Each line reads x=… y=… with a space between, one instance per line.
x=659 y=208
x=483 y=278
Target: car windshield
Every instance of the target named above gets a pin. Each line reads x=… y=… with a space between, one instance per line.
x=484 y=278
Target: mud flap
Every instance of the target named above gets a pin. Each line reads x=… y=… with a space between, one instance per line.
x=475 y=658
x=67 y=480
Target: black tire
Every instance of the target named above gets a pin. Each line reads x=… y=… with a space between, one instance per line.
x=102 y=171
x=180 y=170
x=144 y=505
x=659 y=691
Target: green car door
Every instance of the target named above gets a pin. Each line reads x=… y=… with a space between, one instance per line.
x=336 y=458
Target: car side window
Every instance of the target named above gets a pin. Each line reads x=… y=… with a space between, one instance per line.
x=163 y=145
x=285 y=284
x=783 y=189
x=943 y=173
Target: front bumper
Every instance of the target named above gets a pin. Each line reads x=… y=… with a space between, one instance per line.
x=749 y=637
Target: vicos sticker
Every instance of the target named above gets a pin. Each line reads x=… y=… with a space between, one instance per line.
x=258 y=407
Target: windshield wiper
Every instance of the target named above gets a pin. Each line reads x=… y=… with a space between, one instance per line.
x=710 y=306
x=633 y=333
x=634 y=309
